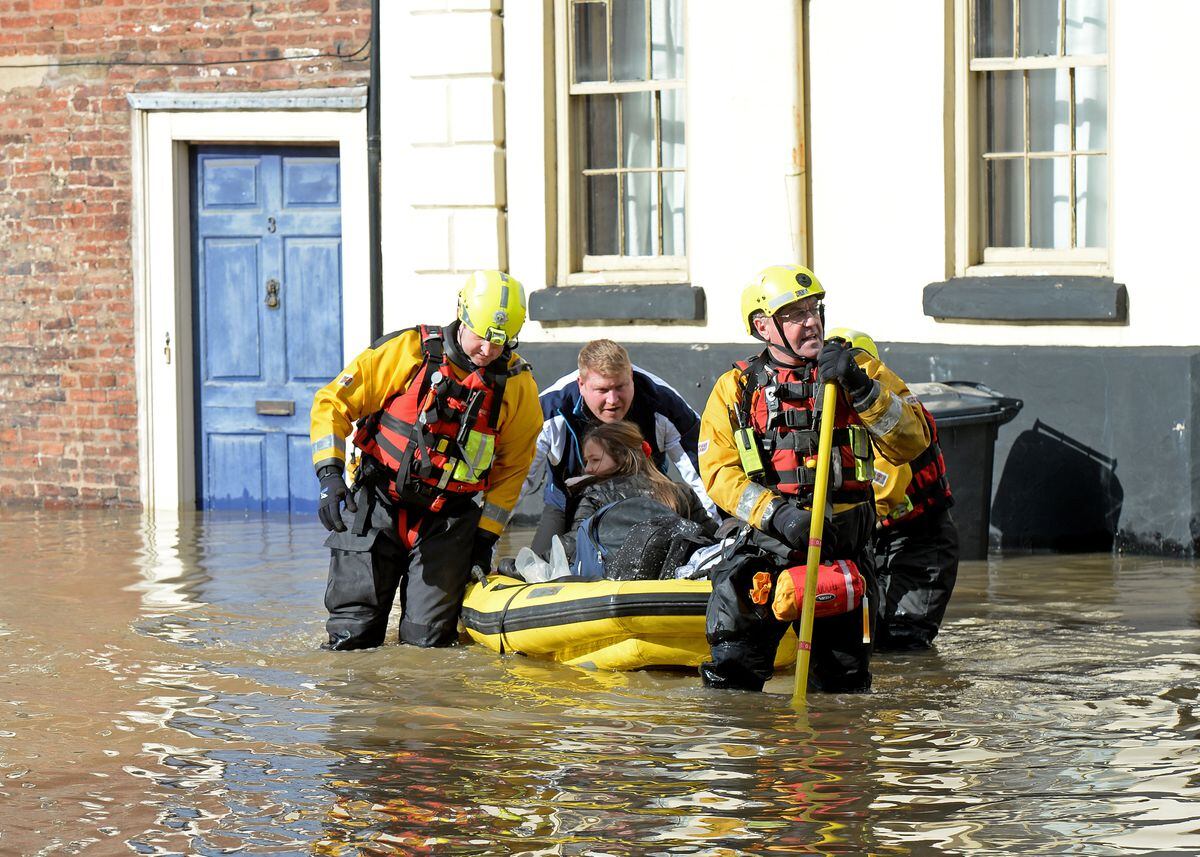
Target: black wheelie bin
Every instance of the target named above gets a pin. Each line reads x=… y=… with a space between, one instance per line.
x=968 y=417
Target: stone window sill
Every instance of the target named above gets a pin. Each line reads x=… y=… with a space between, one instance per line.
x=1028 y=299
x=573 y=305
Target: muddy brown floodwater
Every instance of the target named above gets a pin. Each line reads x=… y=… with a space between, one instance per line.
x=161 y=692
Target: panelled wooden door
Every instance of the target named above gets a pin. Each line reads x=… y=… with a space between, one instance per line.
x=267 y=319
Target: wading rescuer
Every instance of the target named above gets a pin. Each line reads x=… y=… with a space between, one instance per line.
x=444 y=414
x=758 y=447
x=916 y=542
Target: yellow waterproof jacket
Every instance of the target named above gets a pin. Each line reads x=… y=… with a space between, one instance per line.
x=891 y=488
x=387 y=368
x=892 y=417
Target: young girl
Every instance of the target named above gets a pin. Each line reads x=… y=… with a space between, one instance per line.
x=618 y=465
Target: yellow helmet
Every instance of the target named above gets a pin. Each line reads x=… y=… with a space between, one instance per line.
x=491 y=304
x=857 y=339
x=776 y=287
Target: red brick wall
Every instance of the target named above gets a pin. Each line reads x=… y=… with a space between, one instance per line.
x=68 y=402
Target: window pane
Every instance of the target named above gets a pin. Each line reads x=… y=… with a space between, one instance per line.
x=1005 y=181
x=994 y=28
x=641 y=215
x=1087 y=26
x=666 y=39
x=1039 y=28
x=1003 y=110
x=1091 y=201
x=673 y=217
x=601 y=131
x=629 y=39
x=601 y=207
x=637 y=129
x=1091 y=108
x=1050 y=203
x=1049 y=117
x=591 y=43
x=674 y=154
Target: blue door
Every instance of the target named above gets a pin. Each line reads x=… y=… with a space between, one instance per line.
x=267 y=318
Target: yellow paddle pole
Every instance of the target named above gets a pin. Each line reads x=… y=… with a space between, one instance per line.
x=824 y=450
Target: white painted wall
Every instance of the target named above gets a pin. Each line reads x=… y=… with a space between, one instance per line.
x=879 y=219
x=530 y=143
x=740 y=134
x=1155 y=192
x=739 y=151
x=878 y=141
x=443 y=180
x=876 y=84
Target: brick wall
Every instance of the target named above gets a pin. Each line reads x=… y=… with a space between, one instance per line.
x=68 y=406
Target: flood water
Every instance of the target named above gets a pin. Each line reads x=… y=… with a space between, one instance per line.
x=161 y=693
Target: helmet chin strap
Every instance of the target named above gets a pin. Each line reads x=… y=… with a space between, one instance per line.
x=786 y=347
x=459 y=355
x=456 y=352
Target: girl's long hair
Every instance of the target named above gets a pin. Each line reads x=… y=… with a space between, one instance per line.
x=625 y=446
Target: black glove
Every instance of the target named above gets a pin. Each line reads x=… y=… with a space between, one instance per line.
x=481 y=554
x=333 y=493
x=836 y=363
x=792 y=524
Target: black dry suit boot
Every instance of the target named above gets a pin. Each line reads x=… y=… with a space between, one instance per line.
x=339 y=643
x=729 y=675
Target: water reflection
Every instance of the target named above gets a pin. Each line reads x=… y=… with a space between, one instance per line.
x=576 y=761
x=161 y=692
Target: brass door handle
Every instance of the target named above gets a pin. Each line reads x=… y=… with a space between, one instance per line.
x=272 y=300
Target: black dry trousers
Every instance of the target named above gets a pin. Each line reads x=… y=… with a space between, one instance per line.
x=391 y=547
x=918 y=565
x=743 y=636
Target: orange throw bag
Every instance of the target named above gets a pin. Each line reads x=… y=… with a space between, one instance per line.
x=839 y=590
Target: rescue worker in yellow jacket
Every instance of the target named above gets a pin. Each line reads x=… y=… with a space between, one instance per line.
x=758 y=446
x=443 y=414
x=916 y=541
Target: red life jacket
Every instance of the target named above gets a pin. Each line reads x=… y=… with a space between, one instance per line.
x=438 y=435
x=780 y=405
x=928 y=489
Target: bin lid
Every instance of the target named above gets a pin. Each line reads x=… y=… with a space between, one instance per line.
x=965 y=402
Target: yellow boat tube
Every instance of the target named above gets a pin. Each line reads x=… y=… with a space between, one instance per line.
x=598 y=624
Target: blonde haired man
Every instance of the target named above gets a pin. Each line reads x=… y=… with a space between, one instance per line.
x=608 y=388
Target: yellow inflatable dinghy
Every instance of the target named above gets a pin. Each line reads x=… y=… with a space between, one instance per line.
x=599 y=624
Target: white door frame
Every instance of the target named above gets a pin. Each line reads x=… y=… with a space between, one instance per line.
x=164 y=125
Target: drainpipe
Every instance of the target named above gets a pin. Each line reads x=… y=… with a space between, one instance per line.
x=373 y=180
x=796 y=175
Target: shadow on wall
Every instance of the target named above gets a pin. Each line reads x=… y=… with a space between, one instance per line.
x=1056 y=494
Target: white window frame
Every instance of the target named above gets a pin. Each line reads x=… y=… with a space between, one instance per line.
x=575 y=268
x=971 y=256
